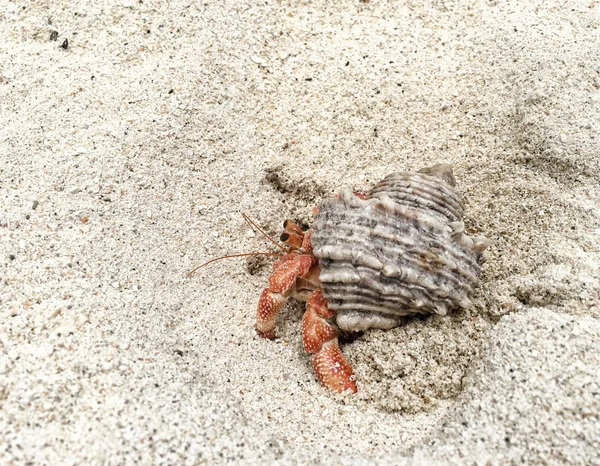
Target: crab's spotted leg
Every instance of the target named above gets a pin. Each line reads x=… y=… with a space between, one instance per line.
x=269 y=305
x=282 y=284
x=319 y=337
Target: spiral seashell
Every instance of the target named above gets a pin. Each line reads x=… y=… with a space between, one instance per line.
x=400 y=251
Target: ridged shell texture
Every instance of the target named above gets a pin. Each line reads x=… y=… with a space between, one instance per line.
x=400 y=251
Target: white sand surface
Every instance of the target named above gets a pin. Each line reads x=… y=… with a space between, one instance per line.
x=133 y=134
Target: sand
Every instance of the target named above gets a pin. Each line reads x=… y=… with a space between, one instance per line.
x=133 y=135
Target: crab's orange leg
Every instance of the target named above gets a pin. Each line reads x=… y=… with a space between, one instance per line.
x=319 y=337
x=282 y=285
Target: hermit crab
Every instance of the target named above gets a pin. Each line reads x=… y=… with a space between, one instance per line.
x=371 y=259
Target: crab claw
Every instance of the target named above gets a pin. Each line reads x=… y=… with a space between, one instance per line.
x=282 y=284
x=269 y=306
x=332 y=368
x=319 y=337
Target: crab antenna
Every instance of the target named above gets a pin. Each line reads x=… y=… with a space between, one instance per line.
x=233 y=255
x=254 y=225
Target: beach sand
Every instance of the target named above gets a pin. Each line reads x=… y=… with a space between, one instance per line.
x=134 y=134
